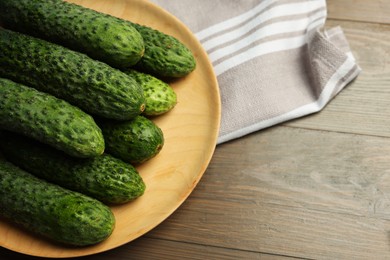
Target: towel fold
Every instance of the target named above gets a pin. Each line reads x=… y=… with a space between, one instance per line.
x=274 y=60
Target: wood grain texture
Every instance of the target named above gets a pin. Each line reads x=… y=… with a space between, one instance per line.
x=150 y=248
x=294 y=192
x=372 y=11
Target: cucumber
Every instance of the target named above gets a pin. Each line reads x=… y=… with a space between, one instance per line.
x=49 y=210
x=160 y=97
x=165 y=55
x=134 y=141
x=48 y=119
x=104 y=177
x=89 y=84
x=99 y=35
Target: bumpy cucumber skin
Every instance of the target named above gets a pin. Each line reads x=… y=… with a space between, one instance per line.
x=134 y=141
x=160 y=97
x=104 y=177
x=48 y=119
x=99 y=35
x=47 y=209
x=165 y=56
x=89 y=84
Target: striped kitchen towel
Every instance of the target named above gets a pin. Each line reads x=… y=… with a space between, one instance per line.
x=273 y=59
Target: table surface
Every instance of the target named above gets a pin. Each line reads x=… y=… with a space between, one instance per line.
x=315 y=188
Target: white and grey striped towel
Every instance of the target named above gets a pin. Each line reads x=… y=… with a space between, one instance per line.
x=273 y=59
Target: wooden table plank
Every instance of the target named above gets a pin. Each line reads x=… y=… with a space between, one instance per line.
x=150 y=248
x=374 y=11
x=276 y=229
x=165 y=249
x=293 y=192
x=363 y=106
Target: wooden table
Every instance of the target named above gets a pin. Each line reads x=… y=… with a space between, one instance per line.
x=316 y=187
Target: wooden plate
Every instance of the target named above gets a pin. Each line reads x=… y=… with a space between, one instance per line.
x=190 y=131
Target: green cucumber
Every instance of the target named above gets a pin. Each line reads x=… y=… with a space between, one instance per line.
x=134 y=141
x=101 y=36
x=48 y=119
x=89 y=84
x=49 y=210
x=160 y=97
x=104 y=177
x=165 y=55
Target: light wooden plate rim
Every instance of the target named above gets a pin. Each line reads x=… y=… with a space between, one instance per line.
x=190 y=129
